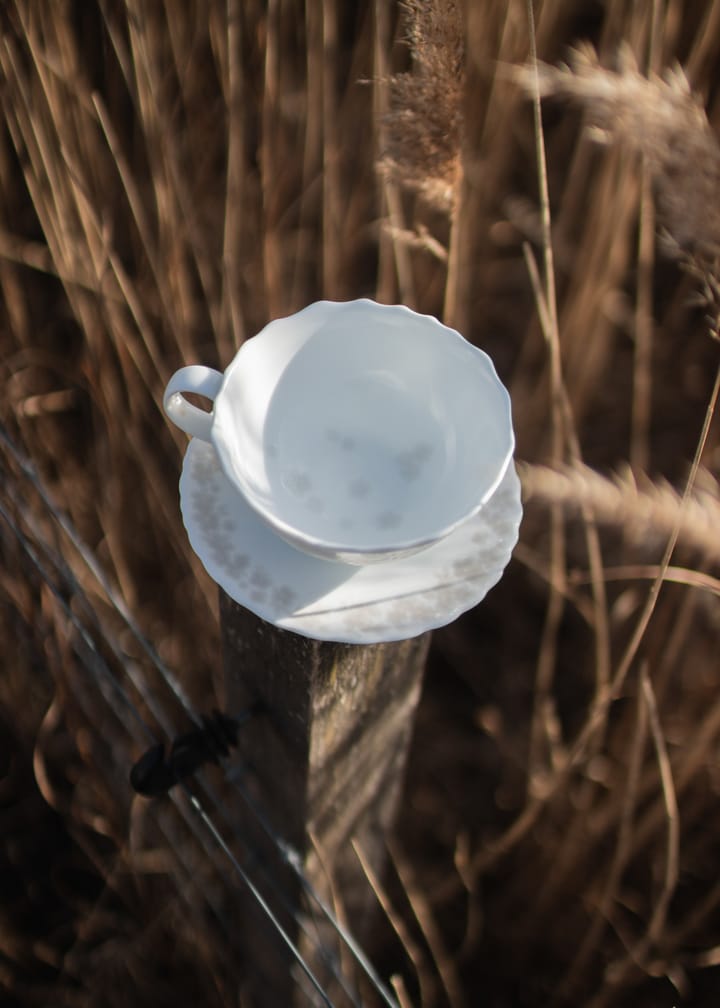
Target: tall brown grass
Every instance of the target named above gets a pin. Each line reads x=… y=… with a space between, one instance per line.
x=174 y=175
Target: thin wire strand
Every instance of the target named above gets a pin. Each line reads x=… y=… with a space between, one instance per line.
x=102 y=672
x=258 y=896
x=94 y=568
x=99 y=665
x=291 y=858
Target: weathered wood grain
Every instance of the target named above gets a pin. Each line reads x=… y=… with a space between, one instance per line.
x=325 y=763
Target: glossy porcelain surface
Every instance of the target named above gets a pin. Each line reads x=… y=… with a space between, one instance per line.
x=328 y=600
x=358 y=432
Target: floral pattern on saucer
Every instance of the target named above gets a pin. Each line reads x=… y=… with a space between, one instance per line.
x=327 y=600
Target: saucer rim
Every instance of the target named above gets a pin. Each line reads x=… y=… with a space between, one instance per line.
x=352 y=635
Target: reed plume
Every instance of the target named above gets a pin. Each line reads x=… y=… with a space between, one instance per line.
x=644 y=511
x=424 y=124
x=659 y=117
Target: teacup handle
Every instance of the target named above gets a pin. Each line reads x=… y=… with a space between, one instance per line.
x=194 y=378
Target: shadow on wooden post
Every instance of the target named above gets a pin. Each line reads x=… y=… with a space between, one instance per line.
x=325 y=765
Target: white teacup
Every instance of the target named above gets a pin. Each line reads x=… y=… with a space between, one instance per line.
x=358 y=431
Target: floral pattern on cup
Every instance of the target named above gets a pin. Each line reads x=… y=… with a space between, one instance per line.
x=358 y=432
x=327 y=600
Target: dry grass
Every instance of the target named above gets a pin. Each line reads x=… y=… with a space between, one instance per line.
x=171 y=177
x=423 y=127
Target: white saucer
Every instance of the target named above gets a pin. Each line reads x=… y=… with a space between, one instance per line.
x=328 y=600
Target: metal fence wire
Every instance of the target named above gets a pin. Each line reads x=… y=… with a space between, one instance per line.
x=191 y=833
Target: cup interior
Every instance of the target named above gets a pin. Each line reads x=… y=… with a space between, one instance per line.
x=368 y=432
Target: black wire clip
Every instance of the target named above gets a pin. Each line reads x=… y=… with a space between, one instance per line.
x=154 y=775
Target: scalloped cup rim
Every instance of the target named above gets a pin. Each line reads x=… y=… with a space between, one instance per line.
x=345 y=550
x=342 y=553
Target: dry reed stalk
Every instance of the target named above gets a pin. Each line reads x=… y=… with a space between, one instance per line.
x=71 y=202
x=600 y=245
x=643 y=328
x=600 y=263
x=702 y=53
x=421 y=127
x=69 y=134
x=692 y=761
x=422 y=910
x=394 y=261
x=677 y=575
x=601 y=703
x=547 y=652
x=643 y=322
x=192 y=258
x=600 y=706
x=425 y=976
x=564 y=438
x=638 y=954
x=566 y=442
x=312 y=162
x=694 y=922
x=423 y=133
x=401 y=993
x=332 y=184
x=148 y=215
x=234 y=192
x=146 y=54
x=620 y=858
x=493 y=33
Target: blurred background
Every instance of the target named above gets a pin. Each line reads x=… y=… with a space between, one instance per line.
x=173 y=176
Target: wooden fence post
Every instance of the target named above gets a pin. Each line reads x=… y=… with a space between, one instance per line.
x=325 y=763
